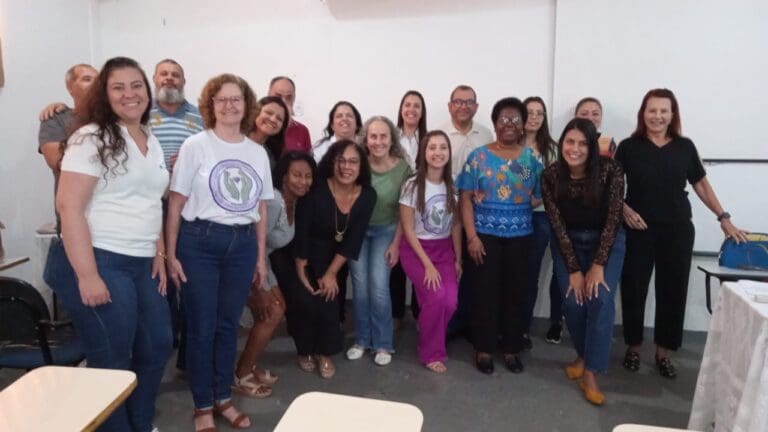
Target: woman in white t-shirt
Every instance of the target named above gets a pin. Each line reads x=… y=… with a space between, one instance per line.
x=216 y=234
x=112 y=179
x=431 y=240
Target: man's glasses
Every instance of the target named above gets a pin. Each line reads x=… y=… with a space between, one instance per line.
x=464 y=102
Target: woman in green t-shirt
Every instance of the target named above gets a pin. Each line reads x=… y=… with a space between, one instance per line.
x=370 y=272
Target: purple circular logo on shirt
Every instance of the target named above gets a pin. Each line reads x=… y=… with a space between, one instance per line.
x=235 y=185
x=435 y=217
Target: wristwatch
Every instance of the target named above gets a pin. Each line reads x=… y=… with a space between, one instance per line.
x=723 y=215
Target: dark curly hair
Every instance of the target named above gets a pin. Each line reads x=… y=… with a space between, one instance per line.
x=112 y=153
x=327 y=165
x=284 y=164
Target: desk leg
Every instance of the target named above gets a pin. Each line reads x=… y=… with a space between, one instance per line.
x=709 y=293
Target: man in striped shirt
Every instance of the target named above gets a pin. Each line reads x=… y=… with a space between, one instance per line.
x=172 y=118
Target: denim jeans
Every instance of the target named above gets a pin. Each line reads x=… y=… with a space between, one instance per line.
x=132 y=332
x=219 y=262
x=542 y=235
x=370 y=285
x=591 y=323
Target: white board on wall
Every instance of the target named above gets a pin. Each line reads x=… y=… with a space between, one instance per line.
x=711 y=53
x=742 y=191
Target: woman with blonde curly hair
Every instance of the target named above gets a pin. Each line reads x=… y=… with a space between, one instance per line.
x=216 y=235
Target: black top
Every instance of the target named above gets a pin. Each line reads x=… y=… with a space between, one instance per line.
x=656 y=177
x=316 y=226
x=572 y=210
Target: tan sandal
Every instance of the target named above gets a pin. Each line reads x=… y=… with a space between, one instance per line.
x=249 y=386
x=306 y=363
x=436 y=366
x=238 y=422
x=264 y=376
x=202 y=413
x=326 y=367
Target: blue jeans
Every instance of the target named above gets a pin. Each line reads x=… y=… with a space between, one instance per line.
x=370 y=285
x=542 y=235
x=219 y=262
x=591 y=324
x=132 y=332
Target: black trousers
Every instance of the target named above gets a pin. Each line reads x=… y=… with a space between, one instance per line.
x=669 y=248
x=499 y=293
x=312 y=322
x=341 y=281
x=397 y=293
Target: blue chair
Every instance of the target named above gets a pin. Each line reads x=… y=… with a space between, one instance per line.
x=28 y=337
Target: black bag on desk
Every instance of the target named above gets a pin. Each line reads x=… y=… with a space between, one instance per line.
x=752 y=255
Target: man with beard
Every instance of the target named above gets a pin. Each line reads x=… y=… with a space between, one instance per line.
x=172 y=118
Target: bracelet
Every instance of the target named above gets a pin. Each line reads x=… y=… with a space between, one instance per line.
x=162 y=255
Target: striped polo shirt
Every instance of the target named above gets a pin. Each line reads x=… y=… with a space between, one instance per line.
x=172 y=129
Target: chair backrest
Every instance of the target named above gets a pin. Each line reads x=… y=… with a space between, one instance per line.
x=21 y=308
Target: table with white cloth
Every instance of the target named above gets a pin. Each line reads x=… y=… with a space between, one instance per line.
x=732 y=387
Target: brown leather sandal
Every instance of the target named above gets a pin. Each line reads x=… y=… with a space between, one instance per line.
x=203 y=413
x=250 y=386
x=238 y=422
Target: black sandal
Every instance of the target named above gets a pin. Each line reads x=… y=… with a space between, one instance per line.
x=632 y=361
x=666 y=367
x=484 y=363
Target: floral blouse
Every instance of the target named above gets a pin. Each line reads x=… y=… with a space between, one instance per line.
x=502 y=191
x=572 y=210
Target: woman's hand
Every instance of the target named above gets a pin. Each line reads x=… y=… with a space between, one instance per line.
x=175 y=272
x=594 y=278
x=432 y=278
x=731 y=231
x=576 y=286
x=476 y=250
x=329 y=288
x=392 y=254
x=633 y=219
x=260 y=274
x=93 y=291
x=260 y=302
x=158 y=272
x=301 y=270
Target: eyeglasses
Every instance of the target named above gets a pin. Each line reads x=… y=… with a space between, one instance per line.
x=536 y=114
x=464 y=102
x=506 y=121
x=350 y=161
x=234 y=100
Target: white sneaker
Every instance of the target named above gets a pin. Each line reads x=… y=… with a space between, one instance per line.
x=355 y=352
x=382 y=358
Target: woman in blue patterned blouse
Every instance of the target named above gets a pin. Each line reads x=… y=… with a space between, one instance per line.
x=499 y=186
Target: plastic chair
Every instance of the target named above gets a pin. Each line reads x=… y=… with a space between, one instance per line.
x=28 y=337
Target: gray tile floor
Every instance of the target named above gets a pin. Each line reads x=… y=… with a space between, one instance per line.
x=540 y=399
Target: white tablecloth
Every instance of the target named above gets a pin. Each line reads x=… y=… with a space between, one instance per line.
x=732 y=388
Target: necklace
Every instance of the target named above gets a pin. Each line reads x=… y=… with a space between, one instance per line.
x=339 y=237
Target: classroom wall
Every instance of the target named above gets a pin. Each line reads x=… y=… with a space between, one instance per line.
x=41 y=40
x=372 y=52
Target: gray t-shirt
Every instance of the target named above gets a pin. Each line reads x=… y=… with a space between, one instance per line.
x=279 y=232
x=56 y=128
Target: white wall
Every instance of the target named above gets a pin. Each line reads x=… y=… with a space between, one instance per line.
x=369 y=53
x=41 y=40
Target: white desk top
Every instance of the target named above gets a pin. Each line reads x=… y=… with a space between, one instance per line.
x=321 y=412
x=56 y=398
x=642 y=428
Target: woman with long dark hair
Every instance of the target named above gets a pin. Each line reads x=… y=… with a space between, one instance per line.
x=269 y=126
x=539 y=140
x=112 y=179
x=658 y=161
x=583 y=195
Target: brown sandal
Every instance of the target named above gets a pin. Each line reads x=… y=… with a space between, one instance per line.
x=203 y=413
x=326 y=367
x=264 y=376
x=306 y=363
x=237 y=423
x=249 y=386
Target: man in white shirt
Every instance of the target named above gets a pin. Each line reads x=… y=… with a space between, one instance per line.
x=465 y=134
